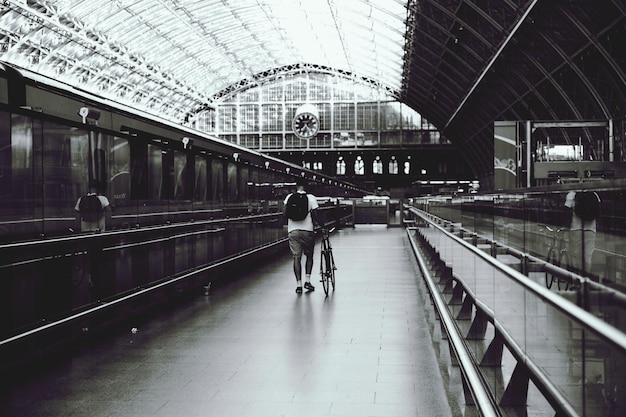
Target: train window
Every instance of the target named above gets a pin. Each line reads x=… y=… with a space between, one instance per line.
x=154 y=167
x=180 y=182
x=17 y=161
x=98 y=166
x=190 y=176
x=5 y=156
x=253 y=184
x=243 y=183
x=21 y=142
x=139 y=170
x=168 y=175
x=217 y=180
x=119 y=171
x=200 y=182
x=265 y=185
x=65 y=165
x=231 y=183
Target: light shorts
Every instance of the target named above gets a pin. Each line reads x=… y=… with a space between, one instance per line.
x=301 y=241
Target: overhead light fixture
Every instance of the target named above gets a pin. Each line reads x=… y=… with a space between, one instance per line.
x=187 y=142
x=87 y=113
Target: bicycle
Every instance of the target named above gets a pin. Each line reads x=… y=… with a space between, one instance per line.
x=327 y=262
x=558 y=256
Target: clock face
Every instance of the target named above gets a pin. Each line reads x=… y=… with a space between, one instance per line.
x=306 y=125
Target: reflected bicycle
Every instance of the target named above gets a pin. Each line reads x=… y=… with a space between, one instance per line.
x=327 y=262
x=557 y=256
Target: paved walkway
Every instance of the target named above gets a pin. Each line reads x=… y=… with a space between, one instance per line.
x=254 y=348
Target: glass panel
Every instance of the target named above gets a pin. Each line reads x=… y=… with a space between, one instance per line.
x=227 y=119
x=119 y=169
x=217 y=181
x=250 y=141
x=65 y=171
x=180 y=176
x=201 y=187
x=320 y=141
x=155 y=172
x=272 y=118
x=272 y=142
x=249 y=118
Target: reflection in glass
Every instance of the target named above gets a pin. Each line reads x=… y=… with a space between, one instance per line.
x=201 y=179
x=155 y=172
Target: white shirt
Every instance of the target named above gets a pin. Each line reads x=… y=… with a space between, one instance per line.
x=307 y=223
x=100 y=222
x=577 y=222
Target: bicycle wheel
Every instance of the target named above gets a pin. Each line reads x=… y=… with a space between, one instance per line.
x=331 y=268
x=563 y=262
x=324 y=270
x=551 y=259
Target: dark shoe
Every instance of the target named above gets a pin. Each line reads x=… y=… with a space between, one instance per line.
x=309 y=287
x=298 y=290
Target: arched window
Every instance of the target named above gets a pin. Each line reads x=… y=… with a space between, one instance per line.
x=359 y=166
x=393 y=166
x=377 y=166
x=341 y=166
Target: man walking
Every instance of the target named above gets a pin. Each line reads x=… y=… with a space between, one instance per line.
x=301 y=212
x=585 y=207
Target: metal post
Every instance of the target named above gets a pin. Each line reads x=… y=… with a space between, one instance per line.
x=529 y=162
x=611 y=142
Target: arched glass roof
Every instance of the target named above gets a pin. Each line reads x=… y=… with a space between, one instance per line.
x=462 y=64
x=170 y=57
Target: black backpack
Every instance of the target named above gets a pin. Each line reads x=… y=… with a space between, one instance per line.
x=587 y=205
x=90 y=207
x=297 y=206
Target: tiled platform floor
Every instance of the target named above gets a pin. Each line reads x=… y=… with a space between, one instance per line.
x=254 y=348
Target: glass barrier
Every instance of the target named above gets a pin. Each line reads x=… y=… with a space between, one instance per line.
x=587 y=369
x=50 y=279
x=536 y=221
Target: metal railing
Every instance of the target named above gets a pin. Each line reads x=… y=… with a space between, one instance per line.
x=526 y=369
x=477 y=393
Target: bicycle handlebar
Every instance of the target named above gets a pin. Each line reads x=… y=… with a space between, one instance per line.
x=552 y=229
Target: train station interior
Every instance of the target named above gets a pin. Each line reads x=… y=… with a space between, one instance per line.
x=467 y=159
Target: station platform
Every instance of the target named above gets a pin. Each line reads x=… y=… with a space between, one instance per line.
x=253 y=347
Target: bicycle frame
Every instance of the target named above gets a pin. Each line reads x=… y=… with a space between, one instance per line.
x=327 y=262
x=558 y=255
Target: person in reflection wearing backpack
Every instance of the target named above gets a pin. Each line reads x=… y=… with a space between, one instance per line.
x=585 y=210
x=301 y=212
x=92 y=209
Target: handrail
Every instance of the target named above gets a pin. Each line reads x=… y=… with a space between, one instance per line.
x=541 y=380
x=163 y=239
x=609 y=294
x=612 y=294
x=473 y=379
x=605 y=331
x=126 y=232
x=135 y=294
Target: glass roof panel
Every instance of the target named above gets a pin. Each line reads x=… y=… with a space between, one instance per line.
x=187 y=51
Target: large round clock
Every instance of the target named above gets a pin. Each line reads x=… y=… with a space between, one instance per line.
x=306 y=122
